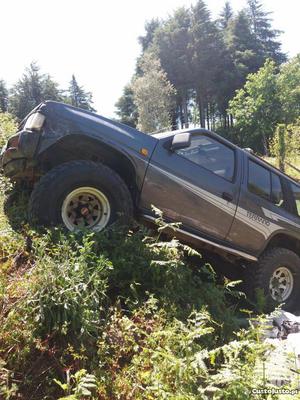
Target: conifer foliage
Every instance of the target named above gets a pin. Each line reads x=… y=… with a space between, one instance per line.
x=207 y=60
x=78 y=97
x=33 y=88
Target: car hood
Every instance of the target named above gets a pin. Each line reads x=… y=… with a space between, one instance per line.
x=82 y=121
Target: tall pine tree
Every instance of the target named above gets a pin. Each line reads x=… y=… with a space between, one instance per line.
x=31 y=90
x=207 y=51
x=172 y=43
x=243 y=48
x=265 y=35
x=225 y=15
x=150 y=28
x=78 y=97
x=126 y=108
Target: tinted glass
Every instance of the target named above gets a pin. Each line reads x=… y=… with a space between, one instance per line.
x=210 y=154
x=277 y=194
x=259 y=180
x=296 y=192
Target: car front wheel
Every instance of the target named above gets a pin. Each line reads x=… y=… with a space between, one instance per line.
x=80 y=195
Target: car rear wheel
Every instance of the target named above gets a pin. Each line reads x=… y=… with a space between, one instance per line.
x=81 y=195
x=277 y=276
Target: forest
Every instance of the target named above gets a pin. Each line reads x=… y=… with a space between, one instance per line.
x=228 y=75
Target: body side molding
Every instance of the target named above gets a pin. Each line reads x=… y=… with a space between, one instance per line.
x=235 y=252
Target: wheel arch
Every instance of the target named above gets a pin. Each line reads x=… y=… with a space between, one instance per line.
x=82 y=147
x=283 y=240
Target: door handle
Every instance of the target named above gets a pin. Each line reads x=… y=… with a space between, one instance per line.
x=227 y=196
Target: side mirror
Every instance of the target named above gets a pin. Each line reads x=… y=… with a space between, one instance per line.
x=181 y=141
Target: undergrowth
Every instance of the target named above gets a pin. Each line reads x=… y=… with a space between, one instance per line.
x=117 y=315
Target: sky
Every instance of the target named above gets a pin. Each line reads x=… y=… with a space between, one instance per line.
x=97 y=40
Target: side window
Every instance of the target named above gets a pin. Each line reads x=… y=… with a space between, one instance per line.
x=265 y=184
x=259 y=180
x=211 y=155
x=277 y=193
x=296 y=193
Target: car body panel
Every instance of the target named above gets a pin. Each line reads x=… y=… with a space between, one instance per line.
x=258 y=220
x=189 y=193
x=64 y=121
x=67 y=120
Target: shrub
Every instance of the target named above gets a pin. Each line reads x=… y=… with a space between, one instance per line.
x=145 y=316
x=67 y=297
x=8 y=126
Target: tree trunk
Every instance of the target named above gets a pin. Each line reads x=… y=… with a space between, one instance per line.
x=185 y=111
x=212 y=116
x=207 y=116
x=225 y=120
x=181 y=115
x=201 y=111
x=213 y=120
x=174 y=119
x=265 y=145
x=280 y=133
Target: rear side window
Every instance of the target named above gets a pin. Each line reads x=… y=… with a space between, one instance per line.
x=296 y=193
x=211 y=155
x=259 y=180
x=277 y=194
x=265 y=183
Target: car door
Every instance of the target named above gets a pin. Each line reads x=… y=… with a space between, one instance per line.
x=264 y=207
x=197 y=186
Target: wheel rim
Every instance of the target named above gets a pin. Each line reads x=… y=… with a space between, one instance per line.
x=85 y=208
x=281 y=284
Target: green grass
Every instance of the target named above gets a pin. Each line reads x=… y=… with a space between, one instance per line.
x=116 y=315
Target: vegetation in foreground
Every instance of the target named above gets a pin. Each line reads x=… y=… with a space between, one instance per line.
x=120 y=314
x=117 y=315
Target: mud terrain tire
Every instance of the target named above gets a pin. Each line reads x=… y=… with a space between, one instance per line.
x=277 y=266
x=110 y=192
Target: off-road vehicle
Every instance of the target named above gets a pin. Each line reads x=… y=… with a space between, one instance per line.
x=88 y=171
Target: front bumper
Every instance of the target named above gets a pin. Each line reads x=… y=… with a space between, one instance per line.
x=18 y=162
x=12 y=161
x=12 y=167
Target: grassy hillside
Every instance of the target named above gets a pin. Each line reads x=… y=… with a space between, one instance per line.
x=116 y=315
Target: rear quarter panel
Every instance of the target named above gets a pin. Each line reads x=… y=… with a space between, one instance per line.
x=258 y=220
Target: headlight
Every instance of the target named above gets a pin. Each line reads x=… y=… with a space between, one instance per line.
x=35 y=122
